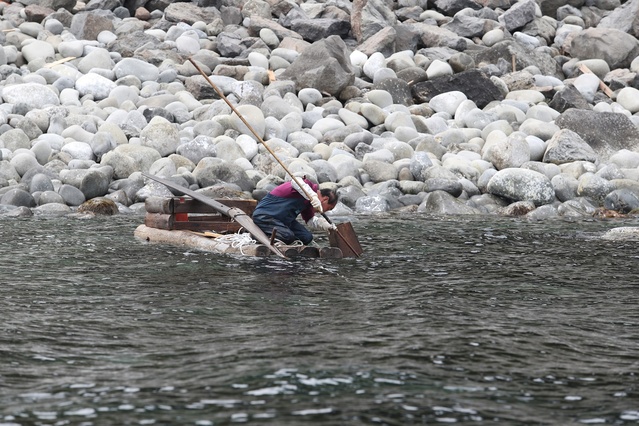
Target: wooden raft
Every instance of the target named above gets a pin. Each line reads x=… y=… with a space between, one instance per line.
x=184 y=221
x=186 y=214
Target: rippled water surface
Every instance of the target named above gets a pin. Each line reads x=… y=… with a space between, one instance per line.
x=469 y=320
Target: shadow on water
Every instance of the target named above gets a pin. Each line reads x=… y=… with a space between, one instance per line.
x=456 y=320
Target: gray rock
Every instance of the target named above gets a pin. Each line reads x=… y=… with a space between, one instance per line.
x=605 y=132
x=350 y=194
x=522 y=185
x=614 y=46
x=509 y=49
x=569 y=97
x=40 y=182
x=380 y=171
x=451 y=7
x=467 y=26
x=623 y=17
x=451 y=186
x=211 y=171
x=128 y=44
x=372 y=204
x=384 y=42
x=369 y=17
x=443 y=203
x=95 y=85
x=15 y=139
x=190 y=13
x=8 y=172
x=622 y=200
x=565 y=187
x=518 y=15
x=197 y=149
x=473 y=83
x=31 y=95
x=444 y=42
x=325 y=66
x=320 y=28
x=594 y=187
x=71 y=195
x=18 y=197
x=23 y=162
x=160 y=135
x=506 y=151
x=398 y=89
x=567 y=146
x=127 y=159
x=50 y=197
x=87 y=25
x=141 y=69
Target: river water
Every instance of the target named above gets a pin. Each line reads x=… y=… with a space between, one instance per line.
x=478 y=320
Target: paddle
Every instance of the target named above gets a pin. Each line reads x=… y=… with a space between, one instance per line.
x=234 y=213
x=241 y=117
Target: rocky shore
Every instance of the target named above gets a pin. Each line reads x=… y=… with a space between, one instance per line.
x=440 y=107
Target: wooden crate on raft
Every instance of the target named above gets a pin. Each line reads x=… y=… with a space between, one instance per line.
x=185 y=213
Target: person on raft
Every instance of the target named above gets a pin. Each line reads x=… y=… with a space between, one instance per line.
x=279 y=209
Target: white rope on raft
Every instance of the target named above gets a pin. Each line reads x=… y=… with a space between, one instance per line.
x=238 y=240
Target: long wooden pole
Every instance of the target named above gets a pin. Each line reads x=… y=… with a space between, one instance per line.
x=259 y=138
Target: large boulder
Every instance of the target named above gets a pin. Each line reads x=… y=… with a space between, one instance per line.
x=522 y=185
x=325 y=66
x=212 y=171
x=624 y=18
x=567 y=146
x=605 y=132
x=614 y=46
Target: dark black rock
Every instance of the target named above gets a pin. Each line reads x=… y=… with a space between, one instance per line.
x=473 y=83
x=569 y=97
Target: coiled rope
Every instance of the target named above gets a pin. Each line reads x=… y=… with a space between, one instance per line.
x=238 y=240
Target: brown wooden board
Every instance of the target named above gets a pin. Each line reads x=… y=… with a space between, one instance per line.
x=346 y=240
x=189 y=205
x=168 y=222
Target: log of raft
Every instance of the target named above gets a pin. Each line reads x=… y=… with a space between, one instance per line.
x=221 y=244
